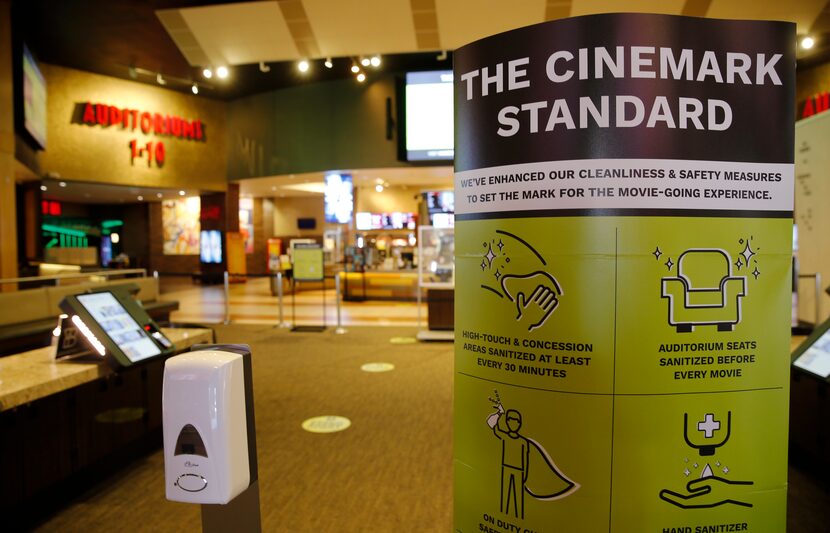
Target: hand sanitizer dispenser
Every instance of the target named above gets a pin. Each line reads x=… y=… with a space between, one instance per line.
x=208 y=422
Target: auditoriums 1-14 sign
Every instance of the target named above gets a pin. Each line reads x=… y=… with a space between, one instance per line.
x=624 y=198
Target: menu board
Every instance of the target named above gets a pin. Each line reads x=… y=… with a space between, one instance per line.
x=368 y=221
x=119 y=326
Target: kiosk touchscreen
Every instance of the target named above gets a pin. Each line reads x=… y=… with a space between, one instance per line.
x=115 y=325
x=813 y=355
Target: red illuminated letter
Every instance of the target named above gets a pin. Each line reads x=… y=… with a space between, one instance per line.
x=146 y=122
x=89 y=114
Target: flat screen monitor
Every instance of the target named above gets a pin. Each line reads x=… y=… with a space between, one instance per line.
x=34 y=99
x=119 y=326
x=210 y=246
x=813 y=355
x=365 y=221
x=339 y=199
x=428 y=116
x=306 y=223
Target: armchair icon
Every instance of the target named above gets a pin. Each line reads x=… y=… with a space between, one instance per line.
x=704 y=292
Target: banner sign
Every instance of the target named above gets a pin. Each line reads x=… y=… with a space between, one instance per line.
x=624 y=198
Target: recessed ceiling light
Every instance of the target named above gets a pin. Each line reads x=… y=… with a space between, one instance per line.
x=303 y=66
x=207 y=73
x=375 y=61
x=43 y=187
x=365 y=61
x=62 y=184
x=195 y=89
x=361 y=77
x=379 y=187
x=807 y=42
x=160 y=79
x=222 y=72
x=181 y=193
x=328 y=63
x=263 y=67
x=158 y=195
x=140 y=198
x=355 y=69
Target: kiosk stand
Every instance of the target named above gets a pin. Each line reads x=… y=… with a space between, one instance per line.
x=210 y=453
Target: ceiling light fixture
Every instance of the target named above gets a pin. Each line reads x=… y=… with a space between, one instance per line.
x=222 y=72
x=365 y=61
x=442 y=56
x=181 y=193
x=62 y=184
x=158 y=195
x=140 y=198
x=379 y=187
x=195 y=89
x=207 y=73
x=303 y=66
x=263 y=67
x=375 y=61
x=807 y=42
x=43 y=187
x=361 y=77
x=355 y=68
x=328 y=63
x=160 y=80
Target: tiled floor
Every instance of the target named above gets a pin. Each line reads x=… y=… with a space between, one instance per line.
x=251 y=303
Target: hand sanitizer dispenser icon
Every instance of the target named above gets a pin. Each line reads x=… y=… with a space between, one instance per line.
x=208 y=423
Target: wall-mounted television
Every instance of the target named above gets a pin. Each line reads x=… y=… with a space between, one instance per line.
x=34 y=99
x=425 y=116
x=210 y=246
x=441 y=208
x=339 y=198
x=306 y=223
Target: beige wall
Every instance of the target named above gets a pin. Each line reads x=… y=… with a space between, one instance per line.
x=8 y=214
x=288 y=210
x=390 y=200
x=81 y=152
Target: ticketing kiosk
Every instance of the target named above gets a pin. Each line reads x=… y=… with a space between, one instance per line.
x=109 y=325
x=810 y=399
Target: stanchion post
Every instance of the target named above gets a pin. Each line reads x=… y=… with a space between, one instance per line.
x=282 y=323
x=339 y=330
x=227 y=298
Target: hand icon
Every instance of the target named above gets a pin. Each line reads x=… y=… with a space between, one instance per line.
x=536 y=295
x=704 y=493
x=537 y=308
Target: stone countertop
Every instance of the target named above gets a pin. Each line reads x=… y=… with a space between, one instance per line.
x=29 y=376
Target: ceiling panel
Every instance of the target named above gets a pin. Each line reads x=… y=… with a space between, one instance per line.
x=588 y=7
x=461 y=22
x=236 y=34
x=355 y=27
x=802 y=12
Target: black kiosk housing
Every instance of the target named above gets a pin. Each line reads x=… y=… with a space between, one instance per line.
x=111 y=325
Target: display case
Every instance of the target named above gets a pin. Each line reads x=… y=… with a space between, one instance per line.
x=436 y=274
x=436 y=257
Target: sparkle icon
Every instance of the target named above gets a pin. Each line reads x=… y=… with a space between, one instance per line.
x=497 y=274
x=490 y=256
x=747 y=253
x=483 y=264
x=739 y=263
x=687 y=472
x=669 y=263
x=756 y=272
x=500 y=245
x=657 y=253
x=725 y=469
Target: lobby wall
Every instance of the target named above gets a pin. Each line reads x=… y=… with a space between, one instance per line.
x=95 y=153
x=316 y=127
x=288 y=210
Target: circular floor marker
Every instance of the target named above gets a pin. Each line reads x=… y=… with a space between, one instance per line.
x=326 y=424
x=403 y=340
x=377 y=367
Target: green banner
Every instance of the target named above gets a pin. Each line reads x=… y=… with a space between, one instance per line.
x=623 y=293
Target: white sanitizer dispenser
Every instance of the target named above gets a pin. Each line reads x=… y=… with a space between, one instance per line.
x=208 y=423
